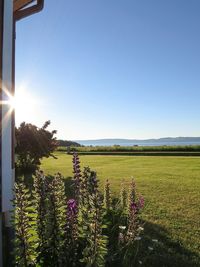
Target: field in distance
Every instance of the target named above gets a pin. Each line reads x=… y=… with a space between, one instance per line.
x=187 y=150
x=171 y=187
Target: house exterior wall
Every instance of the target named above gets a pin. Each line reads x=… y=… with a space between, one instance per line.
x=6 y=76
x=6 y=116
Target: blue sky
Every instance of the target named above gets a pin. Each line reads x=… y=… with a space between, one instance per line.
x=112 y=68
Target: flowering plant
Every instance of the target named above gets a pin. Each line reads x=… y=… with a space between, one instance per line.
x=90 y=228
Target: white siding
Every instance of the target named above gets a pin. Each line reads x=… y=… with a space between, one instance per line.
x=7 y=172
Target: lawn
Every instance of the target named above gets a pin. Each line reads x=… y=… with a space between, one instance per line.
x=171 y=187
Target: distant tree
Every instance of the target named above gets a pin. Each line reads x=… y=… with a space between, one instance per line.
x=68 y=143
x=32 y=144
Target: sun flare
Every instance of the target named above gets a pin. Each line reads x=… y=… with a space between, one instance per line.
x=24 y=104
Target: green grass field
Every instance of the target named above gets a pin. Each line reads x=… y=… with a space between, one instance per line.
x=171 y=187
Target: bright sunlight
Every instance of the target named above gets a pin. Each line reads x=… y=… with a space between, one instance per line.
x=24 y=104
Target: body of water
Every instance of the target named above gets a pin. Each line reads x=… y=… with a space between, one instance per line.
x=137 y=143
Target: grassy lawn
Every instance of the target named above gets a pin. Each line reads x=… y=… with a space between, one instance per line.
x=171 y=187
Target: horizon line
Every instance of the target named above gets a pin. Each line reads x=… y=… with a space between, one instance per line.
x=138 y=139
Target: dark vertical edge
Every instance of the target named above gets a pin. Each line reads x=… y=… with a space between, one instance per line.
x=1 y=73
x=13 y=93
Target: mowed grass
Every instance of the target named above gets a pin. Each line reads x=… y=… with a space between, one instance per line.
x=171 y=187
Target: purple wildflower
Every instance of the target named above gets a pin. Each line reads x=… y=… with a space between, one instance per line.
x=71 y=232
x=140 y=203
x=134 y=207
x=72 y=208
x=137 y=206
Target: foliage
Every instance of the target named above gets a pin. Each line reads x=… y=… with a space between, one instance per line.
x=32 y=144
x=25 y=231
x=67 y=143
x=91 y=229
x=107 y=196
x=118 y=148
x=91 y=214
x=40 y=197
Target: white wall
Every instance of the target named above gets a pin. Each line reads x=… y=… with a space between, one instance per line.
x=7 y=172
x=6 y=157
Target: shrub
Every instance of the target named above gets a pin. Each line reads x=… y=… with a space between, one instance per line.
x=91 y=229
x=32 y=144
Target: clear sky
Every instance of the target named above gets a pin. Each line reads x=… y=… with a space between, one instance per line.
x=112 y=68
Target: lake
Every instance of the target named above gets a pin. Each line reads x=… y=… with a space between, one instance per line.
x=113 y=142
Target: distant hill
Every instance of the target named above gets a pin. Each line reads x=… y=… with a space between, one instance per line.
x=68 y=143
x=145 y=142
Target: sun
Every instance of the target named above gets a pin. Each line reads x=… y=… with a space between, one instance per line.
x=24 y=105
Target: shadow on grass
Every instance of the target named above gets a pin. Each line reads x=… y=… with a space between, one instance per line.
x=165 y=253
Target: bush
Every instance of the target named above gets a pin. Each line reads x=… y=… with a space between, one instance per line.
x=32 y=144
x=89 y=229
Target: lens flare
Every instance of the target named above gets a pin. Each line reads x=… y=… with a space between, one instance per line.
x=24 y=104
